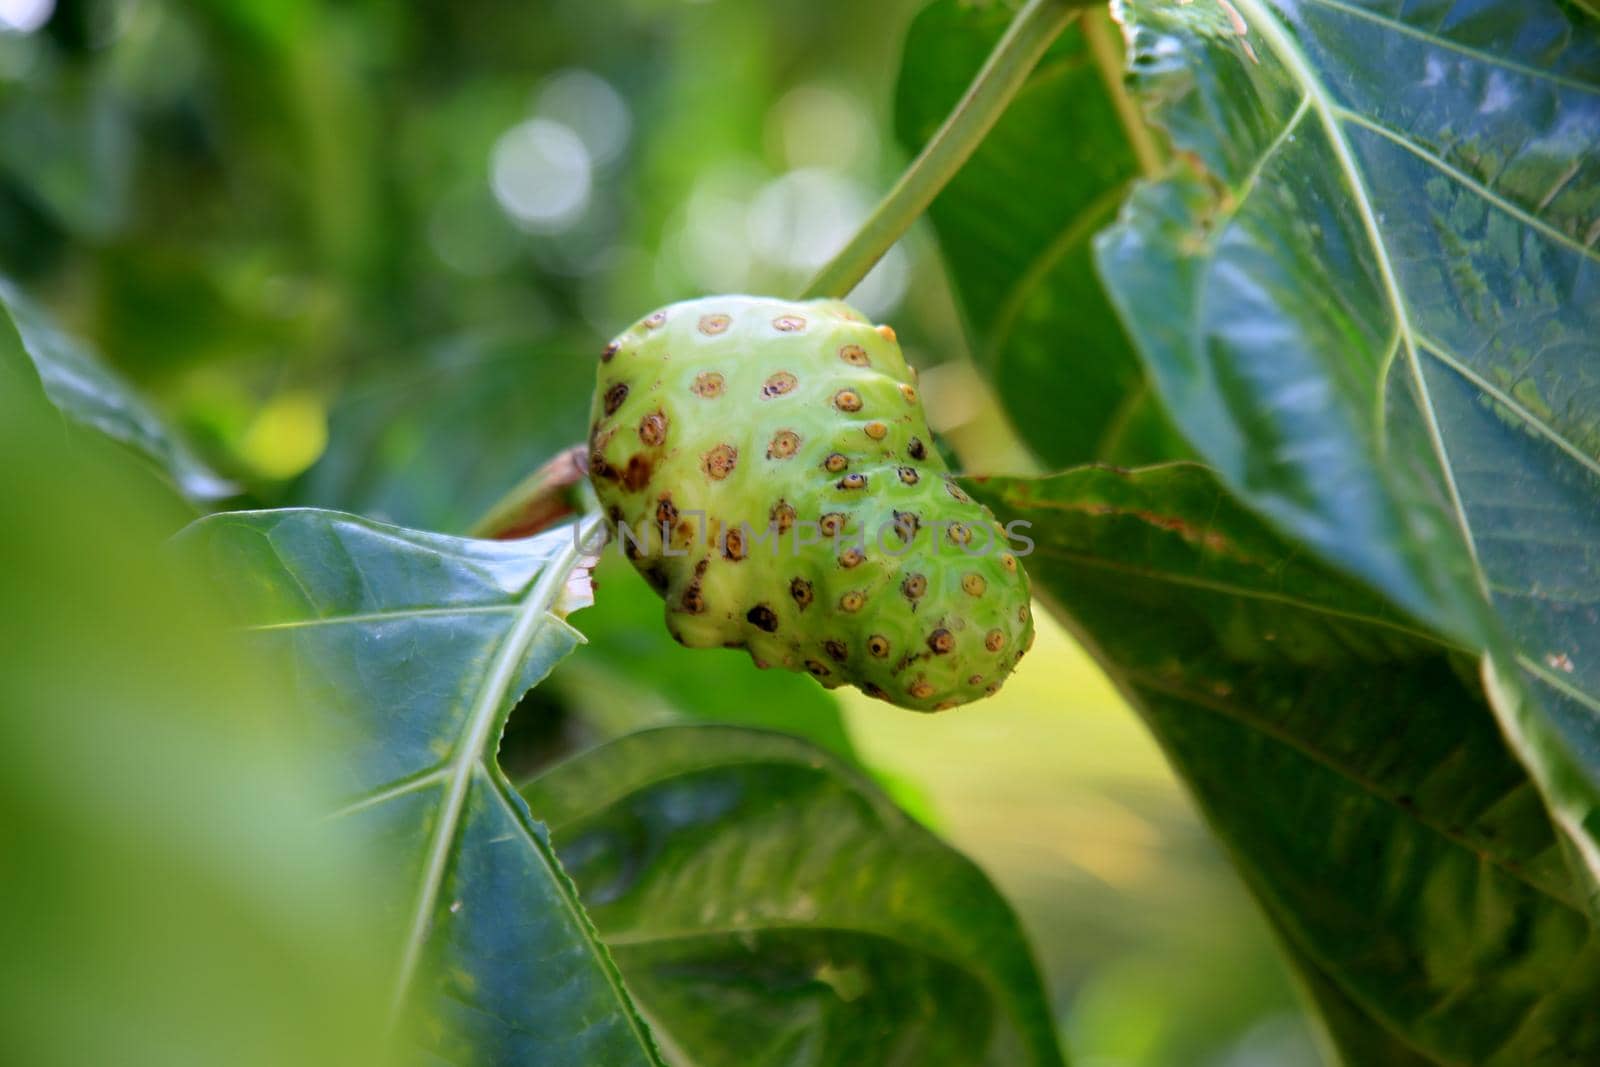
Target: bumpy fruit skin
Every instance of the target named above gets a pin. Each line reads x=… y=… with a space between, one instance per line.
x=832 y=538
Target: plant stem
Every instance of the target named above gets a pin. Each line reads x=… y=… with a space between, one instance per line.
x=1030 y=34
x=1107 y=53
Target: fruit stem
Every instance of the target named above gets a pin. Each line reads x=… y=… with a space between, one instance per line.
x=1018 y=51
x=539 y=501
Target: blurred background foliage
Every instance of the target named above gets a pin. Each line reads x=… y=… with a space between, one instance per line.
x=363 y=253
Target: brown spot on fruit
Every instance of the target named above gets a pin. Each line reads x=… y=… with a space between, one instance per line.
x=991 y=689
x=835 y=462
x=832 y=523
x=653 y=428
x=609 y=352
x=817 y=668
x=886 y=332
x=782 y=516
x=784 y=444
x=657 y=577
x=853 y=481
x=800 y=590
x=920 y=690
x=720 y=461
x=957 y=492
x=789 y=323
x=876 y=430
x=779 y=383
x=657 y=319
x=1009 y=562
x=916 y=449
x=711 y=325
x=878 y=646
x=847 y=400
x=946 y=705
x=909 y=475
x=1022 y=613
x=851 y=602
x=906 y=525
x=637 y=474
x=941 y=641
x=914 y=586
x=693 y=600
x=973 y=584
x=851 y=558
x=616 y=393
x=994 y=640
x=909 y=392
x=960 y=533
x=733 y=545
x=762 y=618
x=707 y=385
x=855 y=355
x=666 y=512
x=975 y=679
x=836 y=650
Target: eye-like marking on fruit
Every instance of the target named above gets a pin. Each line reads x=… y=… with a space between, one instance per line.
x=775 y=469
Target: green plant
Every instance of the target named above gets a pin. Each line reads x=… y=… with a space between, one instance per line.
x=1298 y=300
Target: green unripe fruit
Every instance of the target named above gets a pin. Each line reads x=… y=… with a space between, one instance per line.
x=769 y=470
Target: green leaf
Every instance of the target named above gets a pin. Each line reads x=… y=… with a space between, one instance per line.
x=416 y=646
x=92 y=394
x=1016 y=224
x=1346 y=759
x=171 y=894
x=1375 y=312
x=768 y=905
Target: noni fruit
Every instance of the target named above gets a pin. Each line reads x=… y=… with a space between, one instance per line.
x=767 y=467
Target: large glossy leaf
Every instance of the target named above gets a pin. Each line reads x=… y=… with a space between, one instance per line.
x=1347 y=760
x=171 y=895
x=415 y=647
x=1377 y=313
x=769 y=906
x=1016 y=227
x=91 y=393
